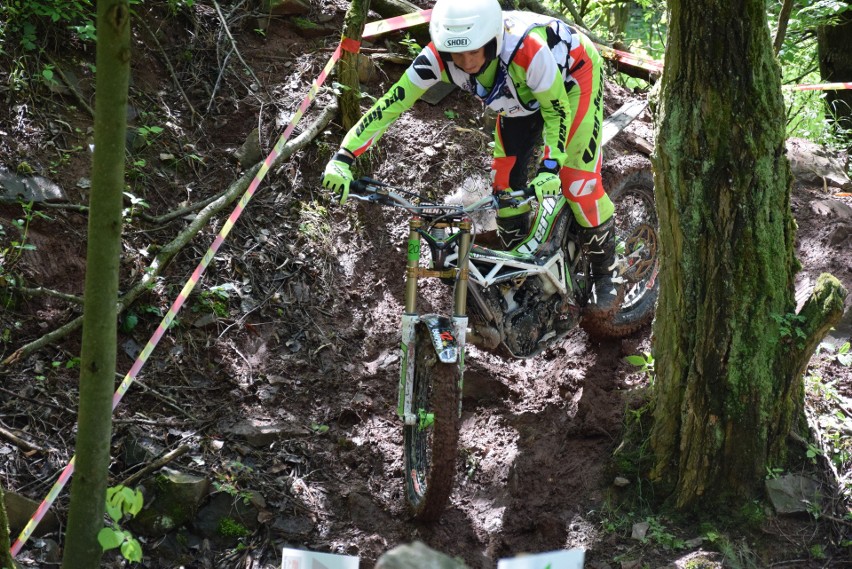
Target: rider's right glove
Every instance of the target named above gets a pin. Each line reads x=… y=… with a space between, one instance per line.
x=338 y=175
x=546 y=184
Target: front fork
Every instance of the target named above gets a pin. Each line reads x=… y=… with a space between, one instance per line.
x=448 y=335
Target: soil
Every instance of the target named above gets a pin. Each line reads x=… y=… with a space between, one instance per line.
x=296 y=324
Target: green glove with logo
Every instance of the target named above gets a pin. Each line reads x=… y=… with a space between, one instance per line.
x=338 y=175
x=546 y=184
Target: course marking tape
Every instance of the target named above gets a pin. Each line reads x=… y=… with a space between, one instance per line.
x=818 y=87
x=396 y=23
x=184 y=294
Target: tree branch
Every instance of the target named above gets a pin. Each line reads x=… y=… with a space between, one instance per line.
x=172 y=248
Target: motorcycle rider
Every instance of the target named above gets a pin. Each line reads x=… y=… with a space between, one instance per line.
x=545 y=80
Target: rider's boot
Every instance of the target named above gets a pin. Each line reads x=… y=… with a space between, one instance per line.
x=513 y=225
x=599 y=243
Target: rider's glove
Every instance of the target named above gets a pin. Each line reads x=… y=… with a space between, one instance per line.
x=338 y=175
x=546 y=184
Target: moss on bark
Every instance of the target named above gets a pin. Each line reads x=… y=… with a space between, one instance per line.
x=723 y=410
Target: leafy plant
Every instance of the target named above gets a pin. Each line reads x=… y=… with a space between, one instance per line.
x=644 y=362
x=411 y=46
x=214 y=300
x=27 y=21
x=789 y=326
x=11 y=250
x=122 y=502
x=136 y=204
x=149 y=133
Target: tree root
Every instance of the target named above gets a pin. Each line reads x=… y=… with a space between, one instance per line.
x=168 y=252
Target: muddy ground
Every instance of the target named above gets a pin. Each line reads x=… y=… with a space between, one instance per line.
x=296 y=324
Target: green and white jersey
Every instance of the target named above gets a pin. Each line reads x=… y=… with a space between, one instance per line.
x=532 y=73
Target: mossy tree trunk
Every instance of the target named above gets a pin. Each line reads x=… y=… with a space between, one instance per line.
x=97 y=358
x=728 y=346
x=6 y=561
x=353 y=27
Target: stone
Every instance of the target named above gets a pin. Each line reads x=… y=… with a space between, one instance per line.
x=20 y=509
x=14 y=187
x=813 y=164
x=793 y=494
x=640 y=530
x=171 y=500
x=264 y=435
x=417 y=556
x=225 y=519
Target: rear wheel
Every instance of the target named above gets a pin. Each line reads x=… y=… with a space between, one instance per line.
x=430 y=446
x=636 y=233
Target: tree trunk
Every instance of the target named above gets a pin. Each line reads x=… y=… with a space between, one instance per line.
x=353 y=28
x=5 y=554
x=835 y=64
x=783 y=20
x=726 y=341
x=97 y=367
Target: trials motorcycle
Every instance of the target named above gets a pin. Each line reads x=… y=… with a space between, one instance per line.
x=519 y=301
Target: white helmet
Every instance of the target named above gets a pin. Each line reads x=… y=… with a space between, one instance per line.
x=465 y=25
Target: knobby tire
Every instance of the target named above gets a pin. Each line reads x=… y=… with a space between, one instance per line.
x=633 y=195
x=430 y=454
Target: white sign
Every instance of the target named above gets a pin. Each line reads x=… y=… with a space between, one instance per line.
x=297 y=559
x=571 y=559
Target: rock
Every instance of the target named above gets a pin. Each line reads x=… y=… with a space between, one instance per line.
x=20 y=509
x=811 y=163
x=621 y=482
x=287 y=7
x=832 y=208
x=294 y=526
x=141 y=450
x=264 y=435
x=793 y=494
x=225 y=519
x=14 y=187
x=249 y=153
x=367 y=71
x=417 y=556
x=640 y=530
x=171 y=500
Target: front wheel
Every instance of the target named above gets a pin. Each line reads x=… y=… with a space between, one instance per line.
x=430 y=445
x=638 y=243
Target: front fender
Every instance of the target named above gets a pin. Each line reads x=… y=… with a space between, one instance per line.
x=444 y=336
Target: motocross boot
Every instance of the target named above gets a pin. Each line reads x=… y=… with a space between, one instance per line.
x=599 y=243
x=513 y=225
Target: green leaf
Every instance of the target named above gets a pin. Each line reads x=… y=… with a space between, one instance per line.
x=135 y=505
x=637 y=361
x=110 y=538
x=131 y=550
x=114 y=511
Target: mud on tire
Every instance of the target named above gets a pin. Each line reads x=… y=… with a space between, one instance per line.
x=430 y=453
x=632 y=192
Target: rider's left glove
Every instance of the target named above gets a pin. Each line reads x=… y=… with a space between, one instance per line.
x=546 y=184
x=338 y=176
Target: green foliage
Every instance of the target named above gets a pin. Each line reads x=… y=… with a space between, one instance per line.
x=806 y=110
x=230 y=480
x=230 y=527
x=215 y=300
x=789 y=327
x=27 y=21
x=122 y=502
x=645 y=363
x=13 y=246
x=411 y=46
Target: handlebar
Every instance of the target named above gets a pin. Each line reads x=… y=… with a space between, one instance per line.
x=370 y=190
